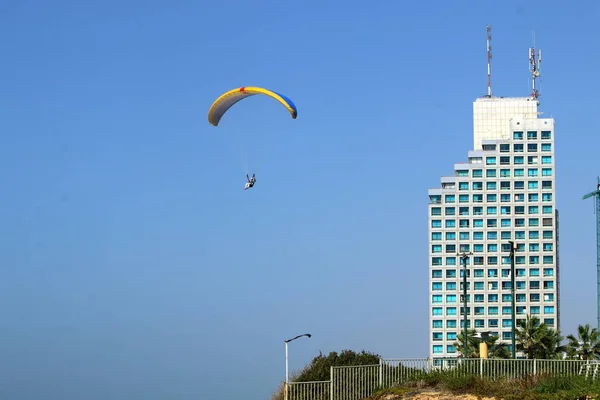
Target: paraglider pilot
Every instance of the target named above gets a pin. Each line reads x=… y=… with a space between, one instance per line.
x=251 y=181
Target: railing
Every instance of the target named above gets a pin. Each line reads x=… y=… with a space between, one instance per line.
x=359 y=382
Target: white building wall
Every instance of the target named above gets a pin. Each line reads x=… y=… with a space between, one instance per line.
x=505 y=192
x=492 y=115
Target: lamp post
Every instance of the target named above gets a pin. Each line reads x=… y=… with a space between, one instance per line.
x=287 y=379
x=512 y=289
x=464 y=257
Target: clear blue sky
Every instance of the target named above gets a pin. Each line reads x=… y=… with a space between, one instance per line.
x=134 y=266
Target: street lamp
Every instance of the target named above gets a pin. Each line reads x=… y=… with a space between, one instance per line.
x=512 y=289
x=464 y=257
x=287 y=380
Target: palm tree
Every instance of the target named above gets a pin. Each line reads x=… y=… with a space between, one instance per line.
x=587 y=345
x=538 y=340
x=495 y=349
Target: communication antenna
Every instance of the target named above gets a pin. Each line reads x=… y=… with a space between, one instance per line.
x=534 y=67
x=489 y=59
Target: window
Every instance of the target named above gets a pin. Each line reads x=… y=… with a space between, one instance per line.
x=450 y=223
x=477 y=186
x=436 y=273
x=519 y=172
x=490 y=173
x=436 y=286
x=532 y=148
x=491 y=198
x=546 y=159
x=505 y=173
x=490 y=160
x=492 y=235
x=505 y=185
x=546 y=171
x=505 y=160
x=546 y=196
x=437 y=324
x=534 y=222
x=519 y=185
x=518 y=160
x=477 y=198
x=436 y=210
x=462 y=172
x=436 y=248
x=438 y=349
x=546 y=147
x=436 y=235
x=450 y=298
x=504 y=148
x=518 y=148
x=546 y=185
x=531 y=135
x=532 y=185
x=450 y=261
x=531 y=172
x=477 y=173
x=463 y=186
x=450 y=198
x=533 y=197
x=490 y=185
x=518 y=135
x=477 y=235
x=436 y=223
x=546 y=135
x=532 y=160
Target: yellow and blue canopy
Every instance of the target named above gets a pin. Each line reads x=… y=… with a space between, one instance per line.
x=228 y=99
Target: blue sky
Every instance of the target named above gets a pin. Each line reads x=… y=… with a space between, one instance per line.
x=133 y=264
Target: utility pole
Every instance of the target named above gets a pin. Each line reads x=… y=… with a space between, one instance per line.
x=512 y=289
x=464 y=257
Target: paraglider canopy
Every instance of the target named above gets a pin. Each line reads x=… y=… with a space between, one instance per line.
x=228 y=99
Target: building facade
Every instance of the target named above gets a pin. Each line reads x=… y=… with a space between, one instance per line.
x=504 y=191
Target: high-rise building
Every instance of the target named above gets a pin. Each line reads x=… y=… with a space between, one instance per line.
x=504 y=191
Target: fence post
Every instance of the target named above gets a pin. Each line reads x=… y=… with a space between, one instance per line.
x=330 y=383
x=481 y=367
x=534 y=367
x=380 y=373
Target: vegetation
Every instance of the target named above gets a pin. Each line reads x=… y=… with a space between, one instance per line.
x=319 y=368
x=530 y=388
x=537 y=340
x=534 y=339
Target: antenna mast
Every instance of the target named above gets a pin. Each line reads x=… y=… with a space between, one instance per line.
x=489 y=59
x=534 y=67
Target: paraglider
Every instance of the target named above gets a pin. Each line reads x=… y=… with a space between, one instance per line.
x=251 y=181
x=228 y=99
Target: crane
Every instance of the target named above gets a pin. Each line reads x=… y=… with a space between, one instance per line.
x=596 y=193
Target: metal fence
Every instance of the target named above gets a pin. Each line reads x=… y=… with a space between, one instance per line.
x=358 y=382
